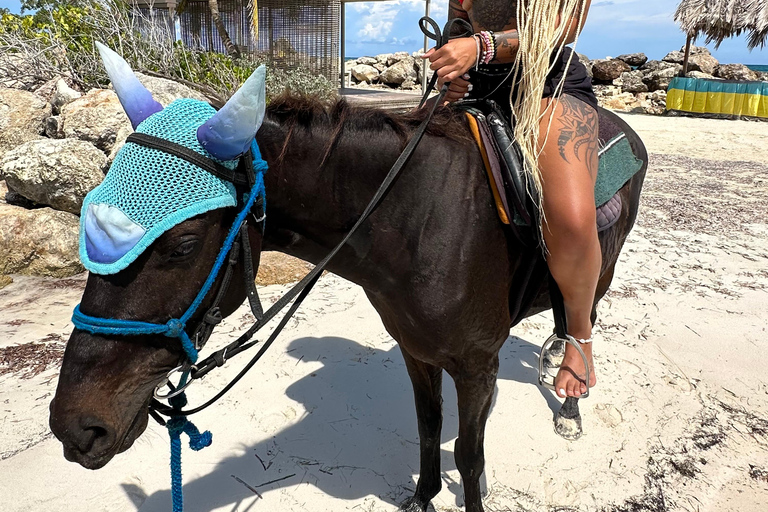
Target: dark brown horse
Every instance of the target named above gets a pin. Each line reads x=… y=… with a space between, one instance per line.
x=443 y=273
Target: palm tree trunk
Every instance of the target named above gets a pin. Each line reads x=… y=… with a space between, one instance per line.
x=232 y=50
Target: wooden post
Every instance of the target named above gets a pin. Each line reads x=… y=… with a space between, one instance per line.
x=687 y=54
x=343 y=45
x=425 y=63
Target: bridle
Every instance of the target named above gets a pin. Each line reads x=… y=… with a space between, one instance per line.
x=250 y=173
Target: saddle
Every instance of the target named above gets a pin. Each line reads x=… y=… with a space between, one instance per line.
x=514 y=193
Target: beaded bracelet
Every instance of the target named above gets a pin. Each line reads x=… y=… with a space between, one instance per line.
x=490 y=48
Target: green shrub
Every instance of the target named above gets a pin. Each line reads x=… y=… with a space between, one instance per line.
x=58 y=39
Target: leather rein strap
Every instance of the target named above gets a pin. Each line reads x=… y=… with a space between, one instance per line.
x=298 y=292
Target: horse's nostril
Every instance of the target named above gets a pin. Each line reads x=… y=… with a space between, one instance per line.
x=93 y=436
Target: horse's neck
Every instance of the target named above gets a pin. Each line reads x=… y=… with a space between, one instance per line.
x=312 y=203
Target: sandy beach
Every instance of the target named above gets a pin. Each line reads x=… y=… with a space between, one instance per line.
x=678 y=421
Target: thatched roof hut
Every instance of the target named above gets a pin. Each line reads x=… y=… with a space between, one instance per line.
x=720 y=19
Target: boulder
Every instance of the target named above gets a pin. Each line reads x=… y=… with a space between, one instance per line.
x=606 y=71
x=367 y=61
x=63 y=95
x=655 y=103
x=659 y=80
x=384 y=58
x=54 y=172
x=632 y=81
x=365 y=73
x=674 y=57
x=97 y=117
x=624 y=102
x=703 y=62
x=587 y=63
x=53 y=127
x=167 y=91
x=633 y=59
x=735 y=72
x=762 y=75
x=400 y=72
x=22 y=118
x=398 y=57
x=42 y=242
x=656 y=65
x=698 y=74
x=380 y=67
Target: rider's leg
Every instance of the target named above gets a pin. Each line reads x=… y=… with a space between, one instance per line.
x=568 y=164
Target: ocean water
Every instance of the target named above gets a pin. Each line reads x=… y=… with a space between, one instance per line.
x=758 y=67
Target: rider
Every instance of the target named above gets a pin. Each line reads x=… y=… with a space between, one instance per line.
x=567 y=162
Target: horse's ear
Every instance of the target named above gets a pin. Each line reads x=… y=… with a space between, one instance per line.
x=229 y=133
x=136 y=100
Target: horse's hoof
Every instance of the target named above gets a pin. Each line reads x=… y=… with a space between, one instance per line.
x=411 y=505
x=568 y=428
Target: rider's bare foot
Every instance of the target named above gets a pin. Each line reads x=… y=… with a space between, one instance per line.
x=570 y=377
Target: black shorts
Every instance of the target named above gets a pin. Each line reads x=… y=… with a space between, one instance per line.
x=495 y=82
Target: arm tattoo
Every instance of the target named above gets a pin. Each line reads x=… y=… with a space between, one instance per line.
x=578 y=132
x=507 y=44
x=456 y=11
x=494 y=14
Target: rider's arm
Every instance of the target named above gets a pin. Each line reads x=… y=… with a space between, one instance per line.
x=508 y=41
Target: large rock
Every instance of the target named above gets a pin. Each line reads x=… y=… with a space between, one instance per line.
x=587 y=63
x=398 y=57
x=659 y=80
x=735 y=72
x=54 y=172
x=41 y=242
x=762 y=75
x=365 y=73
x=167 y=91
x=22 y=118
x=674 y=57
x=624 y=102
x=698 y=74
x=97 y=117
x=632 y=81
x=402 y=71
x=633 y=59
x=606 y=71
x=63 y=95
x=703 y=62
x=656 y=65
x=367 y=61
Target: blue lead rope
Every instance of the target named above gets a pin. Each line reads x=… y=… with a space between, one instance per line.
x=176 y=328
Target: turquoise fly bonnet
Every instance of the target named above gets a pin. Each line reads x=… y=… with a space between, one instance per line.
x=149 y=190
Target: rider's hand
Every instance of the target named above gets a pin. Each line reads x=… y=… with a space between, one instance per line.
x=454 y=59
x=458 y=90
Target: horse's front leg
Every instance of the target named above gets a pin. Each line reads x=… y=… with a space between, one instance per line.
x=475 y=383
x=427 y=383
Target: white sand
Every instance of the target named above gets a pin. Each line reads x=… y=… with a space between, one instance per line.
x=679 y=415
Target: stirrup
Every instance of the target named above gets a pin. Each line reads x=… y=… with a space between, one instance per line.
x=547 y=380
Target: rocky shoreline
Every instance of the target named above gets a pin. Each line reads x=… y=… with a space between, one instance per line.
x=627 y=83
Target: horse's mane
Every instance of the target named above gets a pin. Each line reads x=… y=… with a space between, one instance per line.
x=339 y=116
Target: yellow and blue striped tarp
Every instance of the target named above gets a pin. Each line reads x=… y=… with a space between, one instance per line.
x=718 y=98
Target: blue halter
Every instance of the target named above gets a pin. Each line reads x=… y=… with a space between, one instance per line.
x=176 y=328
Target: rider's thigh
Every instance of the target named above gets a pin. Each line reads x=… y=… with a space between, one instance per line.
x=568 y=164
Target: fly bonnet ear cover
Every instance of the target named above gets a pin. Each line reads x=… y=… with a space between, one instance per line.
x=148 y=191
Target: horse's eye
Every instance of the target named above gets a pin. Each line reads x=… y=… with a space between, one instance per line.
x=184 y=249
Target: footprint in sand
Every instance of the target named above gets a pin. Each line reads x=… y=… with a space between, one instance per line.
x=608 y=414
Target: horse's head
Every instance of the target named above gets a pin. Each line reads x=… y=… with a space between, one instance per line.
x=150 y=235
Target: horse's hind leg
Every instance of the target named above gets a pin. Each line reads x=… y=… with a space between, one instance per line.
x=427 y=383
x=475 y=384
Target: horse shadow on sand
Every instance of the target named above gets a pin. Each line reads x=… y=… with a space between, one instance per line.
x=357 y=439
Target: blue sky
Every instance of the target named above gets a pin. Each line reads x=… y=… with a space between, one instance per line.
x=614 y=27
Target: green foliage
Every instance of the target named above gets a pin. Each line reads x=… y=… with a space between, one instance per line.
x=59 y=39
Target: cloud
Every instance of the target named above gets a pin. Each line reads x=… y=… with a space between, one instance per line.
x=378 y=19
